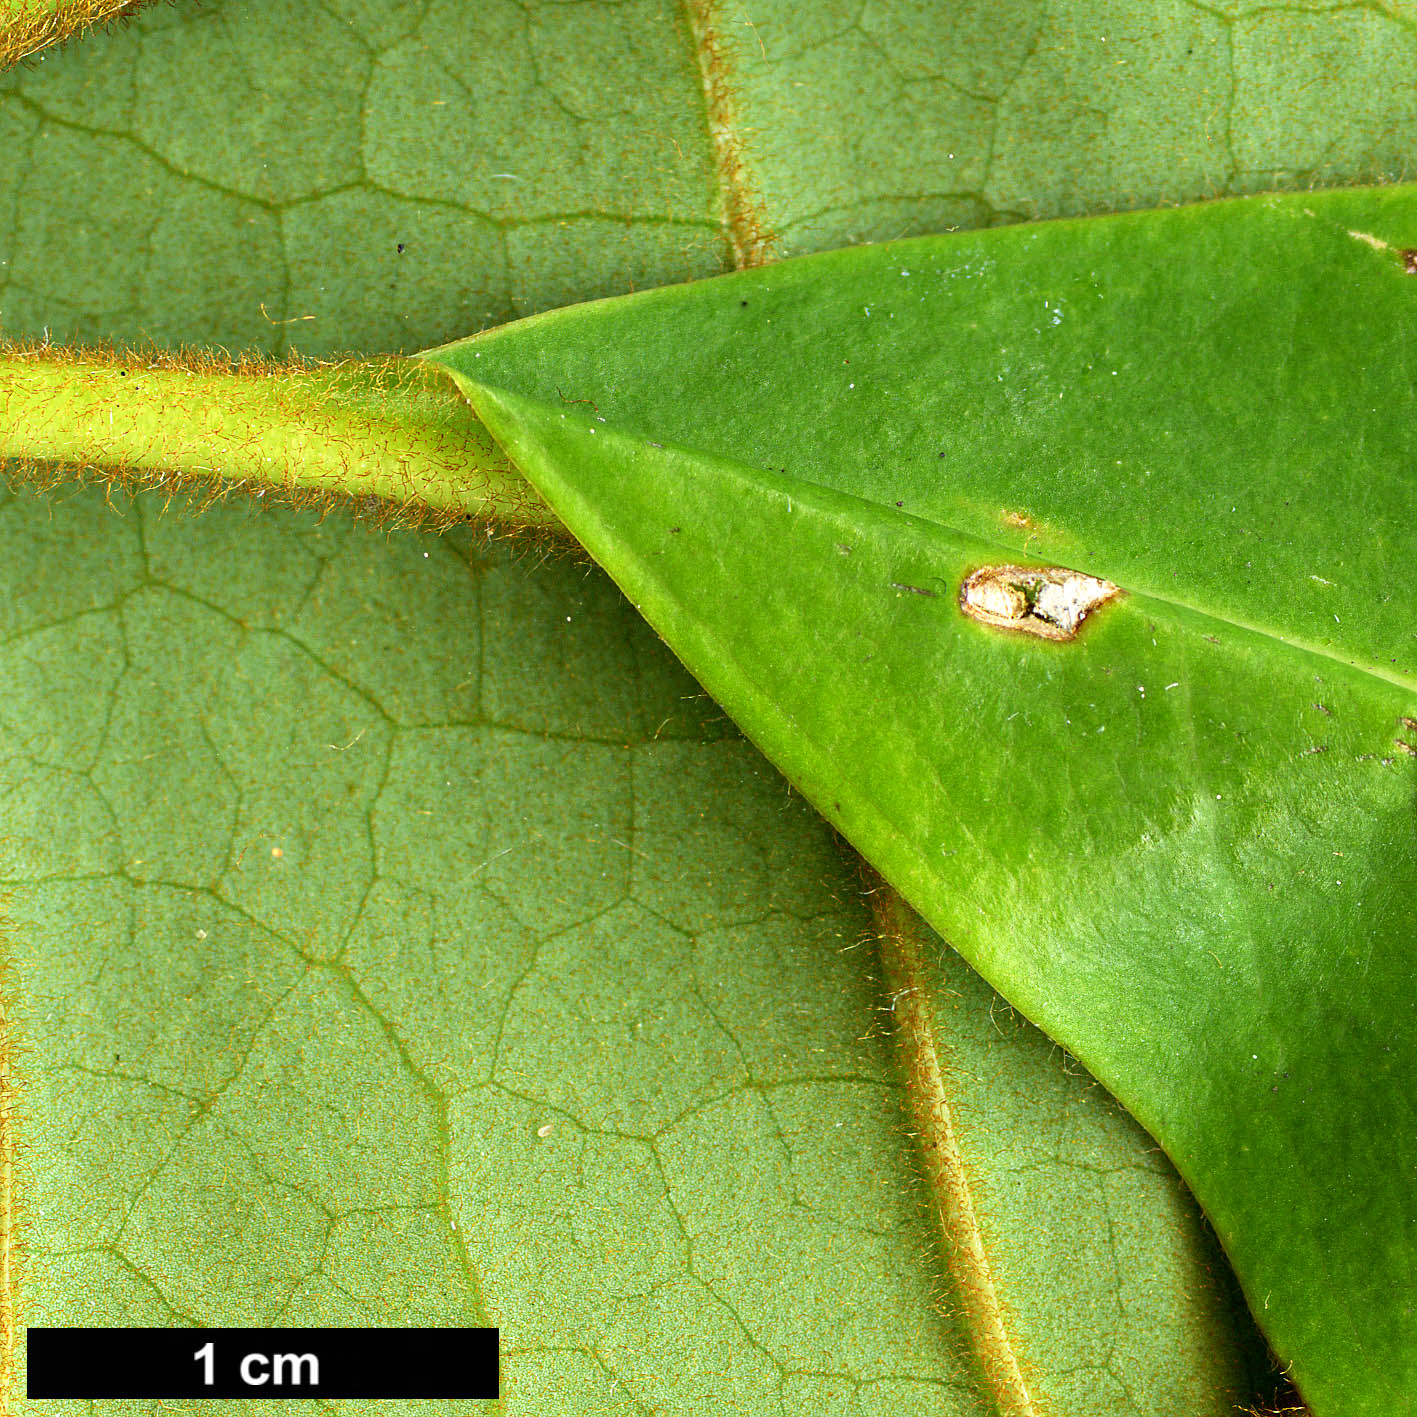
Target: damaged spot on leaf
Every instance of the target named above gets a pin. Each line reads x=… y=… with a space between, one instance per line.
x=1410 y=725
x=1047 y=601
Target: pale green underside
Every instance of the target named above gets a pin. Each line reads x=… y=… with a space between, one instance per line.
x=174 y=176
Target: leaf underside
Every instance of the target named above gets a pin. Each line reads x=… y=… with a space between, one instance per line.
x=1183 y=842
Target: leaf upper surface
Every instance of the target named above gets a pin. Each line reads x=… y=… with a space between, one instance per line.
x=1203 y=405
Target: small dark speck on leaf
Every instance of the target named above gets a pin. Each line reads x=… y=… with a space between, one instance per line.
x=674 y=531
x=743 y=302
x=401 y=248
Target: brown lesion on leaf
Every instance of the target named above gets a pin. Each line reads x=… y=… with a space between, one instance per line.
x=1049 y=602
x=1408 y=725
x=37 y=26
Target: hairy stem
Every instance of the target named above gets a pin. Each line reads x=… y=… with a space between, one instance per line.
x=28 y=26
x=390 y=435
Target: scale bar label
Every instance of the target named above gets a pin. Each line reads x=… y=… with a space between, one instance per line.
x=265 y=1363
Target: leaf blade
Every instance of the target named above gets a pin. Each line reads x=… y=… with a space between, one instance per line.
x=687 y=1005
x=1272 y=264
x=1270 y=857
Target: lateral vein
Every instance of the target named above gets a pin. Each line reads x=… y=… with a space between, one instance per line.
x=966 y=1253
x=743 y=212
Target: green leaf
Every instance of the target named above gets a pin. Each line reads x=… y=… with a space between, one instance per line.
x=502 y=981
x=275 y=176
x=1178 y=835
x=182 y=696
x=242 y=175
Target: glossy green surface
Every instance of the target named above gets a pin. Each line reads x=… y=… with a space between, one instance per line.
x=1183 y=842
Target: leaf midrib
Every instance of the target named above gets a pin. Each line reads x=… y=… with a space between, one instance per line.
x=790 y=486
x=942 y=1158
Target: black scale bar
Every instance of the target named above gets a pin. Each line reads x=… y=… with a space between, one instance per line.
x=265 y=1363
